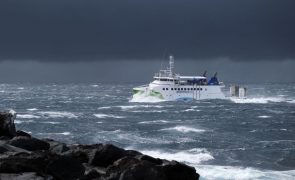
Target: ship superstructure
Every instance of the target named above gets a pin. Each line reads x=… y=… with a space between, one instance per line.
x=170 y=86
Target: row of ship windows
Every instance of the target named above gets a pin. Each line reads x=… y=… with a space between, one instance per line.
x=183 y=89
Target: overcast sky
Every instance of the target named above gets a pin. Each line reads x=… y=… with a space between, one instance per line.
x=85 y=40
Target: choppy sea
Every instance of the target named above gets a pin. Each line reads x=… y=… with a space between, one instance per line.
x=251 y=138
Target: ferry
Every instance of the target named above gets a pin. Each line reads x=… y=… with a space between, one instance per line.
x=168 y=86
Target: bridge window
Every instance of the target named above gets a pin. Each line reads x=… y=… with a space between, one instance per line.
x=184 y=88
x=163 y=89
x=178 y=89
x=167 y=89
x=171 y=89
x=181 y=88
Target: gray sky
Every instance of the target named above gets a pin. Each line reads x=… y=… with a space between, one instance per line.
x=127 y=40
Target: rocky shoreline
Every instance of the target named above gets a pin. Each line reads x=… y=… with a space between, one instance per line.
x=26 y=157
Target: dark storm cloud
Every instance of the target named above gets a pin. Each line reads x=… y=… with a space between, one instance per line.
x=66 y=30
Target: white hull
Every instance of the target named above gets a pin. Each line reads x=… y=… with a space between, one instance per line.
x=172 y=92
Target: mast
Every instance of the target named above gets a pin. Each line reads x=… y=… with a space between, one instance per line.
x=171 y=65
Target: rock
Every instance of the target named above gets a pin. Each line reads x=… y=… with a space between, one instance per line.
x=7 y=127
x=57 y=147
x=31 y=144
x=8 y=148
x=65 y=168
x=22 y=176
x=175 y=171
x=91 y=174
x=130 y=168
x=105 y=155
x=22 y=133
x=22 y=162
x=155 y=161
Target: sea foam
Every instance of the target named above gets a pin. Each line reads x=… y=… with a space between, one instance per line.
x=184 y=129
x=192 y=157
x=27 y=116
x=108 y=116
x=258 y=100
x=57 y=114
x=232 y=173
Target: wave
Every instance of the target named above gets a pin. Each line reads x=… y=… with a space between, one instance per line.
x=151 y=111
x=264 y=116
x=291 y=101
x=50 y=122
x=192 y=157
x=154 y=122
x=27 y=116
x=184 y=129
x=105 y=107
x=58 y=114
x=32 y=109
x=139 y=106
x=62 y=133
x=195 y=157
x=108 y=116
x=231 y=173
x=260 y=100
x=145 y=99
x=20 y=122
x=191 y=110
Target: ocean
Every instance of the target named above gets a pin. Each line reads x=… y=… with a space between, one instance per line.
x=251 y=138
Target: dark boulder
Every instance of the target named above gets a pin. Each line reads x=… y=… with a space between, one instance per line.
x=7 y=127
x=91 y=174
x=22 y=133
x=105 y=155
x=130 y=168
x=175 y=171
x=22 y=162
x=150 y=159
x=31 y=144
x=65 y=168
x=23 y=176
x=57 y=147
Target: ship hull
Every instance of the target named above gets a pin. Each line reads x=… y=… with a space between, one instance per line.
x=173 y=92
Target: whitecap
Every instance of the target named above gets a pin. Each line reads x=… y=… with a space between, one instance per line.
x=94 y=85
x=291 y=101
x=259 y=100
x=192 y=157
x=20 y=88
x=145 y=99
x=50 y=122
x=108 y=116
x=105 y=107
x=150 y=111
x=232 y=173
x=32 y=109
x=263 y=116
x=27 y=116
x=184 y=129
x=190 y=110
x=20 y=122
x=154 y=122
x=99 y=122
x=62 y=133
x=137 y=139
x=127 y=107
x=58 y=114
